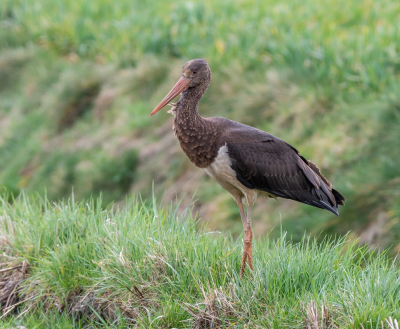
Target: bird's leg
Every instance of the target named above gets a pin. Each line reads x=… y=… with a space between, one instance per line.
x=248 y=237
x=244 y=222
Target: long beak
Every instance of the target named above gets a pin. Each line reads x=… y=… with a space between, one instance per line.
x=181 y=85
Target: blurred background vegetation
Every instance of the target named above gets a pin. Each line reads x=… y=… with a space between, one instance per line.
x=78 y=80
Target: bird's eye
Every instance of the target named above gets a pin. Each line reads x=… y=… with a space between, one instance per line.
x=194 y=71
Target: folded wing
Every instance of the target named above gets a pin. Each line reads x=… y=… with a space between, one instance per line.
x=274 y=166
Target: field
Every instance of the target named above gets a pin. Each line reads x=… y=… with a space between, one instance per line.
x=145 y=266
x=78 y=80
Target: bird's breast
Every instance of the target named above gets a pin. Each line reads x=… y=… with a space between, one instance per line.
x=198 y=140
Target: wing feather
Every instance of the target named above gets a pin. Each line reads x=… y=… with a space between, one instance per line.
x=276 y=167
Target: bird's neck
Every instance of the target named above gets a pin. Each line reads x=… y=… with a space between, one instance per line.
x=197 y=136
x=187 y=109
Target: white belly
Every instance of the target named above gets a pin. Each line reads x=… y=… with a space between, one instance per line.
x=220 y=170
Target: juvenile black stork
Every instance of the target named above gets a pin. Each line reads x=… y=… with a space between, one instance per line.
x=244 y=160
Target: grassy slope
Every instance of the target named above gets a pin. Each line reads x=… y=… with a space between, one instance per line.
x=148 y=267
x=79 y=79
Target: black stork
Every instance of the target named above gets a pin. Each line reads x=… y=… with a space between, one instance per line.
x=244 y=160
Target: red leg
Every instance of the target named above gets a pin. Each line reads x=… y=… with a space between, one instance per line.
x=247 y=250
x=248 y=239
x=244 y=222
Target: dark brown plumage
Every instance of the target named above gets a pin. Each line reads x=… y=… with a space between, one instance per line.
x=269 y=164
x=244 y=160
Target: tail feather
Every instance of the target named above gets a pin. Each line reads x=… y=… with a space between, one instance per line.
x=324 y=201
x=338 y=197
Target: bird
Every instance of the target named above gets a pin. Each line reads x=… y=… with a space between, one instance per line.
x=245 y=161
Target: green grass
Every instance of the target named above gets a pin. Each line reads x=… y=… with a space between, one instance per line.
x=348 y=43
x=146 y=266
x=78 y=80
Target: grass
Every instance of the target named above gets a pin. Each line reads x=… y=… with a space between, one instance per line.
x=142 y=266
x=351 y=45
x=78 y=80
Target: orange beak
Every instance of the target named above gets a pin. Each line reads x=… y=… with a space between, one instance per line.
x=182 y=84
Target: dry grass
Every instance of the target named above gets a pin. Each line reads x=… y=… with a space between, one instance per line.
x=216 y=309
x=393 y=324
x=13 y=273
x=315 y=318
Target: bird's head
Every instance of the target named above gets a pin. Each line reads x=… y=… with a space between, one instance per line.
x=195 y=73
